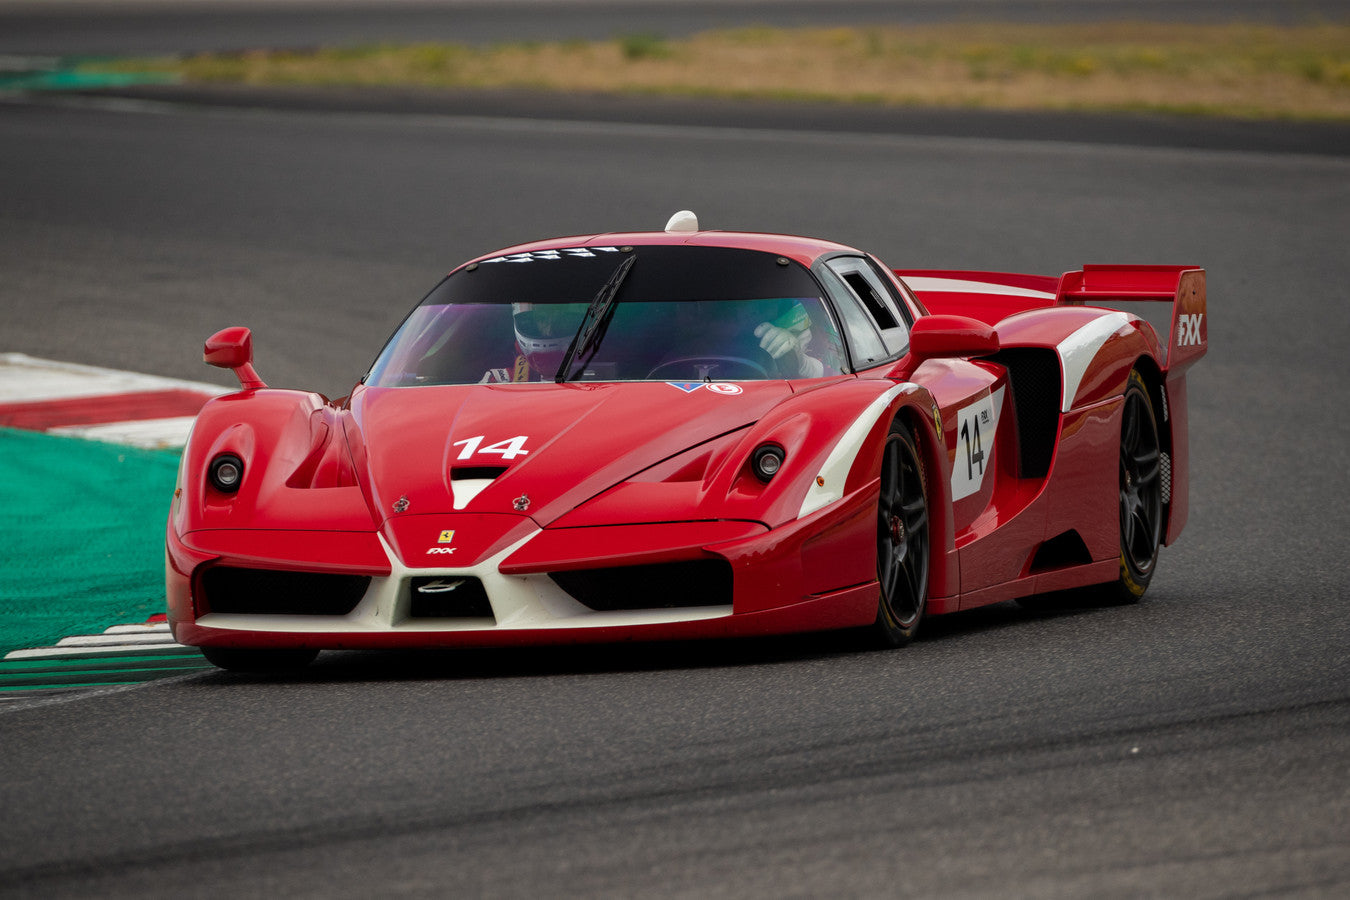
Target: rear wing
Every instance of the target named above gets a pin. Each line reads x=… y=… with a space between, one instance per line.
x=1183 y=286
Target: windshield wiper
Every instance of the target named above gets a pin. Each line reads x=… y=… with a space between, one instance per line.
x=592 y=330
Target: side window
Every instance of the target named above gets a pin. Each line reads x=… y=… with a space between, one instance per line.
x=876 y=297
x=863 y=339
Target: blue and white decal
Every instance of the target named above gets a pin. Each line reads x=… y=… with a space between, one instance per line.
x=724 y=388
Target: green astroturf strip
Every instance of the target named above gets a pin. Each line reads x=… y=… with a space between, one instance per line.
x=71 y=80
x=64 y=673
x=83 y=540
x=162 y=651
x=62 y=664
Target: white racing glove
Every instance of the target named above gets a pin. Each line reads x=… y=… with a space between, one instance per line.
x=779 y=342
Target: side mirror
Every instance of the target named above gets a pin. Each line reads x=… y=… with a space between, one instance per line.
x=938 y=336
x=232 y=348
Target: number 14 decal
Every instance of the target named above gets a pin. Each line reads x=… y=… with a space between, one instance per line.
x=507 y=449
x=976 y=426
x=974 y=455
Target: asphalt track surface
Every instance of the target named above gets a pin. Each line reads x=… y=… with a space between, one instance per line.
x=1197 y=744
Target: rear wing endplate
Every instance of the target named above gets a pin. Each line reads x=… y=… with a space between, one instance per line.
x=1184 y=286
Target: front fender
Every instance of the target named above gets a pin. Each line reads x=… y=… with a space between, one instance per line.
x=283 y=438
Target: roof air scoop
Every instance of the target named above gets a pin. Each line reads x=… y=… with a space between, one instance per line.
x=683 y=222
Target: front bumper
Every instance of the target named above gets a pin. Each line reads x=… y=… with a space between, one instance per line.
x=557 y=586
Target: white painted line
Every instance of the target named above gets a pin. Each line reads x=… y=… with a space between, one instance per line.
x=26 y=379
x=109 y=640
x=147 y=628
x=150 y=434
x=123 y=649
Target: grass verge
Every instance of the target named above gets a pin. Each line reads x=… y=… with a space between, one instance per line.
x=1236 y=71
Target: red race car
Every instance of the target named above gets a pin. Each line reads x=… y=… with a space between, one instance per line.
x=692 y=434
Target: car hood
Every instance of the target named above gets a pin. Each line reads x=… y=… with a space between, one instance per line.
x=536 y=449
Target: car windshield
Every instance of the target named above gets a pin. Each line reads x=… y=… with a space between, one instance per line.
x=680 y=314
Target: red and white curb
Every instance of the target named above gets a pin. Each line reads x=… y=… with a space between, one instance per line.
x=115 y=641
x=119 y=657
x=99 y=404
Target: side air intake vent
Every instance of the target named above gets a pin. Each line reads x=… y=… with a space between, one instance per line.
x=1034 y=376
x=1061 y=552
x=227 y=589
x=700 y=582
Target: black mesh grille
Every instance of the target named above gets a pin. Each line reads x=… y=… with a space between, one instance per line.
x=1166 y=463
x=1034 y=375
x=227 y=589
x=448 y=597
x=701 y=582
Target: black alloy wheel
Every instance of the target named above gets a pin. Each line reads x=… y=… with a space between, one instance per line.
x=902 y=539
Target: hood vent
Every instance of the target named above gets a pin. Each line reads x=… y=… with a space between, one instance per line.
x=467 y=482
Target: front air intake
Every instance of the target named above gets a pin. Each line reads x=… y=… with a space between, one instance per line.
x=448 y=597
x=698 y=582
x=228 y=589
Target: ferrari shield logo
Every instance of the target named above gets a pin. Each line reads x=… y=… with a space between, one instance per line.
x=447 y=537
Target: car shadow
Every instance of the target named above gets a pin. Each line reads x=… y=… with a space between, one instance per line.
x=589 y=659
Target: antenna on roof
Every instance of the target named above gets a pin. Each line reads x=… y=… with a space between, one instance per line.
x=683 y=222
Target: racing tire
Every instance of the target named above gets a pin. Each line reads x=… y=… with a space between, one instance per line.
x=235 y=660
x=1141 y=510
x=1141 y=505
x=903 y=547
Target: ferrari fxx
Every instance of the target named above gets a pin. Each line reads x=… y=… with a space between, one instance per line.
x=692 y=434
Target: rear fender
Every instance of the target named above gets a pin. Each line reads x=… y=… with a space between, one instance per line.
x=1181 y=286
x=1096 y=348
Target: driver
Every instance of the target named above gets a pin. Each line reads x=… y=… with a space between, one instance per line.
x=785 y=339
x=543 y=332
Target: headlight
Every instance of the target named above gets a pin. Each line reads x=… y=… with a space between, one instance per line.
x=766 y=461
x=225 y=473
